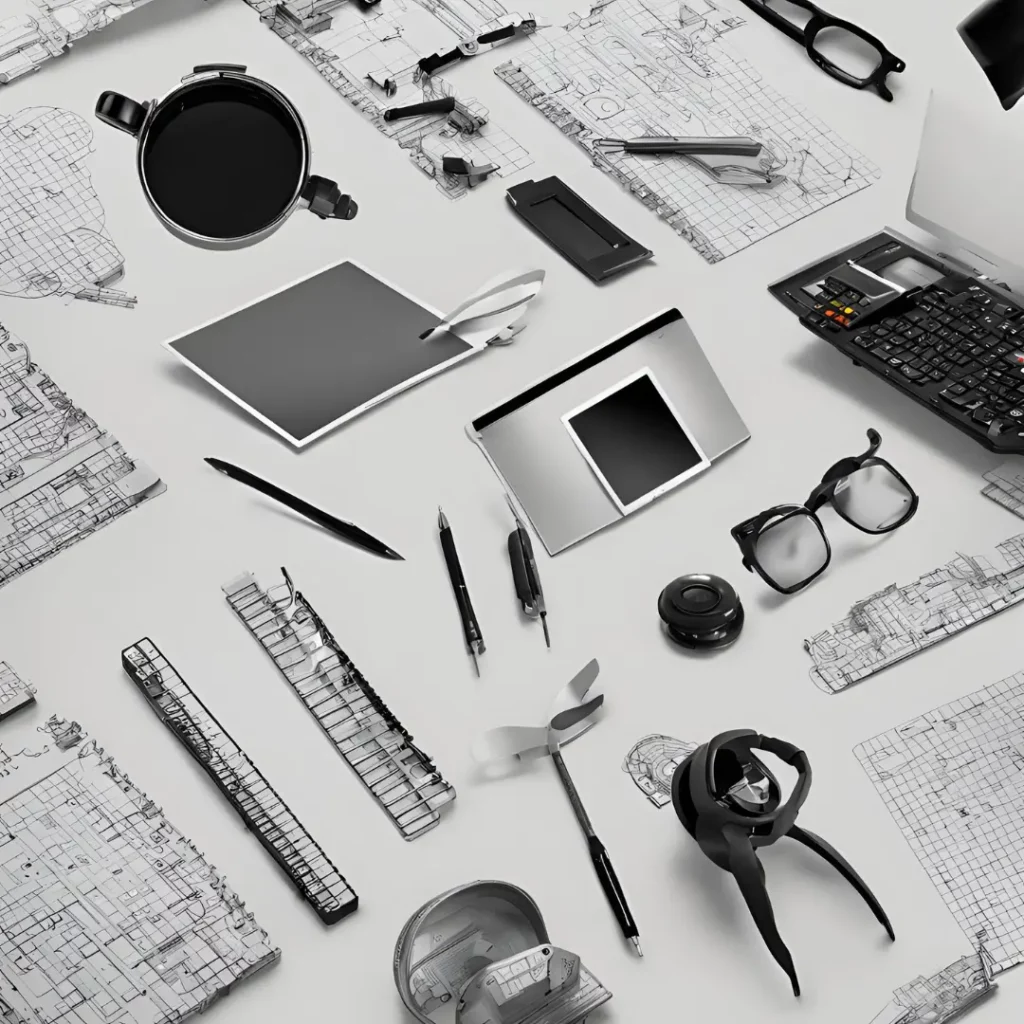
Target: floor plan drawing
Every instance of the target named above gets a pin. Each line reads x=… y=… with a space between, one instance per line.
x=641 y=68
x=14 y=693
x=651 y=763
x=369 y=56
x=52 y=235
x=33 y=31
x=1005 y=486
x=899 y=621
x=107 y=912
x=62 y=477
x=942 y=996
x=953 y=779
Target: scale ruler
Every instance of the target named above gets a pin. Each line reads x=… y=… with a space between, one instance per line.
x=362 y=728
x=257 y=803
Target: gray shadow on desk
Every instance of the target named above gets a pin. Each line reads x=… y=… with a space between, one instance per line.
x=824 y=363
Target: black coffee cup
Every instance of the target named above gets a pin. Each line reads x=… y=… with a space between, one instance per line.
x=224 y=158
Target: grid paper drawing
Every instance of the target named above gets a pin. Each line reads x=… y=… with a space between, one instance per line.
x=651 y=763
x=943 y=996
x=899 y=621
x=15 y=694
x=107 y=912
x=41 y=29
x=643 y=68
x=1005 y=486
x=953 y=779
x=52 y=238
x=62 y=477
x=357 y=50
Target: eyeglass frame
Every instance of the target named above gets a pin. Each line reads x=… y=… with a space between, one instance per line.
x=747 y=533
x=819 y=19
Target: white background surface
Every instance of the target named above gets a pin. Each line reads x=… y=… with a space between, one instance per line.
x=158 y=571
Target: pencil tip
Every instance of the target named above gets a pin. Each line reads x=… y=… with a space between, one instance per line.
x=636 y=942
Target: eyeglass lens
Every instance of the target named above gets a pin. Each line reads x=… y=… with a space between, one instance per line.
x=845 y=50
x=873 y=498
x=791 y=550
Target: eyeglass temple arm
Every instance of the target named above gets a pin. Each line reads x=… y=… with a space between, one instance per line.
x=844 y=467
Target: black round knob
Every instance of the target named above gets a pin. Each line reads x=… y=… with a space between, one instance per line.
x=700 y=611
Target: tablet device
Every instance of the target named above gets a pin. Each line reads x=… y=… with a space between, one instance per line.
x=635 y=441
x=317 y=353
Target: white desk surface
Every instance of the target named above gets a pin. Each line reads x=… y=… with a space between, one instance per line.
x=158 y=571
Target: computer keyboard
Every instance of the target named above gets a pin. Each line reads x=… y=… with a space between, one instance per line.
x=954 y=345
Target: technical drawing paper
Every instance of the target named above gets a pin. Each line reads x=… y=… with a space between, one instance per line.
x=15 y=694
x=356 y=49
x=52 y=238
x=952 y=780
x=107 y=912
x=651 y=763
x=646 y=67
x=942 y=996
x=62 y=477
x=899 y=621
x=1006 y=487
x=33 y=31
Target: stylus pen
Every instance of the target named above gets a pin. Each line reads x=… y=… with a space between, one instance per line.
x=598 y=855
x=339 y=527
x=470 y=627
x=739 y=145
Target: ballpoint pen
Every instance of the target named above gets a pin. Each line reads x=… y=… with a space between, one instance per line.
x=470 y=627
x=524 y=573
x=737 y=145
x=339 y=527
x=598 y=854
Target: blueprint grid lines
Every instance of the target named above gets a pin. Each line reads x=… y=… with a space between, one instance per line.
x=52 y=237
x=632 y=68
x=953 y=779
x=651 y=763
x=15 y=694
x=898 y=621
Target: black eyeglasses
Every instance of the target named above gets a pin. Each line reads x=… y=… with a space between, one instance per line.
x=840 y=49
x=786 y=545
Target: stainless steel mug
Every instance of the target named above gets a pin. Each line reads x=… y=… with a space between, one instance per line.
x=224 y=158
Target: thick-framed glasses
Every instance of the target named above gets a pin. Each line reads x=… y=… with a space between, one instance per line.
x=786 y=545
x=841 y=49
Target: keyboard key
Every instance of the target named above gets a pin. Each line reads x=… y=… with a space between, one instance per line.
x=983 y=415
x=911 y=374
x=1002 y=309
x=936 y=375
x=962 y=399
x=1015 y=358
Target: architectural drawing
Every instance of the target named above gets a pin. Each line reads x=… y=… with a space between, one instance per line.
x=369 y=56
x=634 y=68
x=944 y=996
x=33 y=31
x=1006 y=487
x=651 y=763
x=401 y=778
x=52 y=239
x=952 y=780
x=14 y=693
x=265 y=814
x=107 y=912
x=899 y=621
x=62 y=477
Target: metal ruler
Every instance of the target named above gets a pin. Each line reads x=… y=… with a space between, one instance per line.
x=257 y=803
x=362 y=728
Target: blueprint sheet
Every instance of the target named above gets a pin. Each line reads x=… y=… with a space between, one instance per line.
x=33 y=31
x=650 y=67
x=1005 y=486
x=651 y=763
x=899 y=621
x=940 y=997
x=107 y=912
x=953 y=781
x=62 y=477
x=356 y=48
x=15 y=693
x=52 y=238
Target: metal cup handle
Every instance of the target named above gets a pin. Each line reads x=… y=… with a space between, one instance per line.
x=325 y=199
x=121 y=112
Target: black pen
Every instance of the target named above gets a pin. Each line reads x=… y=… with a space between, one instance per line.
x=341 y=528
x=470 y=627
x=524 y=573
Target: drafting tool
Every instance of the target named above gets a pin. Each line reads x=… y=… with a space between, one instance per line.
x=470 y=627
x=265 y=814
x=118 y=915
x=524 y=573
x=460 y=116
x=436 y=62
x=339 y=527
x=400 y=777
x=15 y=693
x=562 y=722
x=738 y=145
